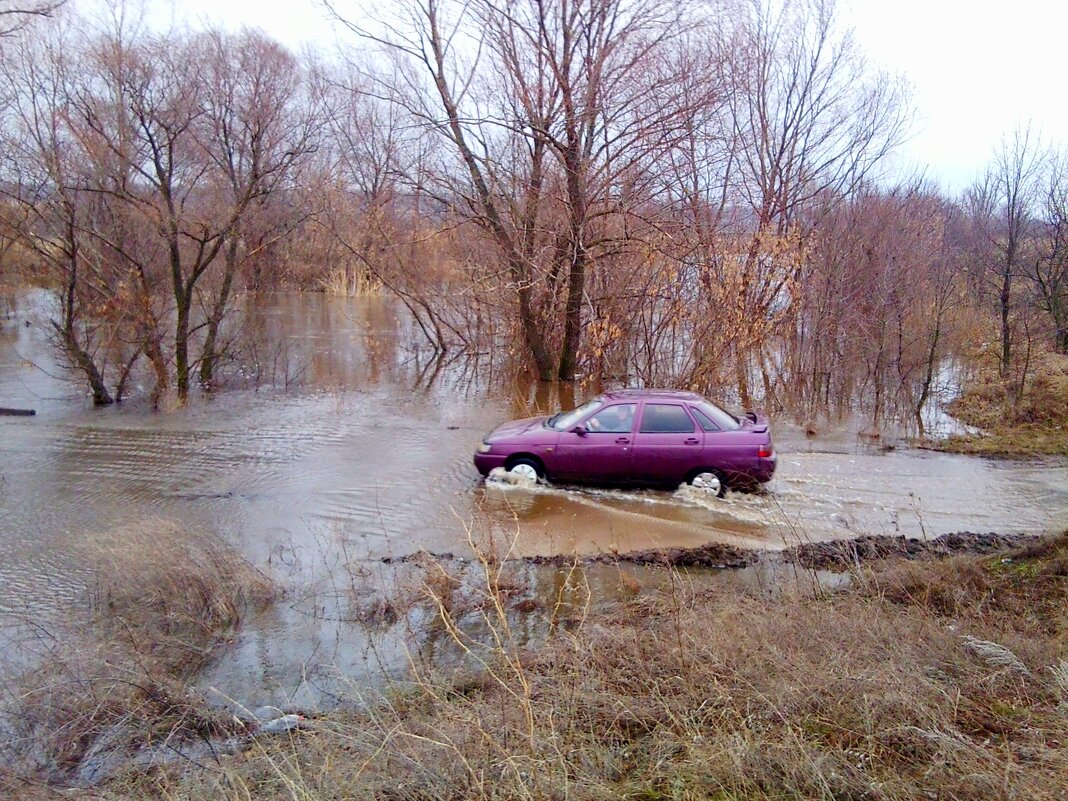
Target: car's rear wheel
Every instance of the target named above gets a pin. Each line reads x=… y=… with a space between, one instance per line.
x=527 y=468
x=711 y=481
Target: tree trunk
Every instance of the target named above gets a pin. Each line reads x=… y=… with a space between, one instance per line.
x=769 y=387
x=78 y=355
x=101 y=397
x=85 y=364
x=120 y=388
x=181 y=349
x=741 y=373
x=209 y=355
x=928 y=377
x=1006 y=334
x=159 y=366
x=573 y=314
x=532 y=334
x=576 y=283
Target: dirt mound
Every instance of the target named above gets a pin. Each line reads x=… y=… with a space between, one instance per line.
x=844 y=553
x=713 y=554
x=834 y=555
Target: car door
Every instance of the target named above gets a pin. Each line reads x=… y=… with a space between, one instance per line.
x=601 y=452
x=730 y=450
x=667 y=445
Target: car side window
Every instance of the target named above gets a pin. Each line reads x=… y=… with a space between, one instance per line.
x=705 y=421
x=618 y=419
x=664 y=418
x=723 y=420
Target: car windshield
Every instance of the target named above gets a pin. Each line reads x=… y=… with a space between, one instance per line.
x=565 y=421
x=724 y=421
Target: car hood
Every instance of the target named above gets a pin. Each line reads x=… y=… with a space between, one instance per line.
x=517 y=427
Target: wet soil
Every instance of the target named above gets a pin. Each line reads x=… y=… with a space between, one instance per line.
x=713 y=555
x=837 y=555
x=842 y=555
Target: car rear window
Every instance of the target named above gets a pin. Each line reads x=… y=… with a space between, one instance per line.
x=704 y=420
x=720 y=420
x=664 y=418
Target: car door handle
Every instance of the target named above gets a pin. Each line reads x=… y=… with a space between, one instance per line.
x=623 y=440
x=693 y=441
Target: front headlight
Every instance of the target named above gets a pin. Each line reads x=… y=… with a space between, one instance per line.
x=485 y=447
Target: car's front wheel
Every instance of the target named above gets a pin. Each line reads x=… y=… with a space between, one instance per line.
x=526 y=468
x=711 y=481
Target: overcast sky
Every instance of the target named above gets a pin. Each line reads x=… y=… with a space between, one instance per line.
x=978 y=69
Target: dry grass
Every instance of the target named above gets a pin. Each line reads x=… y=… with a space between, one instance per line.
x=163 y=602
x=351 y=283
x=172 y=594
x=1036 y=423
x=930 y=679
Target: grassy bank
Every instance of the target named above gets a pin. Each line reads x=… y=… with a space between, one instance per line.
x=1012 y=423
x=115 y=678
x=934 y=678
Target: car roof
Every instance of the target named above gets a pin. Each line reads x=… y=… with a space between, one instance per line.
x=651 y=394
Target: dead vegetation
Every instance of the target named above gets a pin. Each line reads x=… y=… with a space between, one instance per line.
x=99 y=690
x=928 y=679
x=1026 y=416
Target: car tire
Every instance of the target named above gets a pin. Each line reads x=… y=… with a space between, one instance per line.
x=711 y=480
x=524 y=464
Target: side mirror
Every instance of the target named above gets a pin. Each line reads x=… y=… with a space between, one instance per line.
x=579 y=430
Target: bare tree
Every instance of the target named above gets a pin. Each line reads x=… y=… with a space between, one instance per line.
x=811 y=119
x=16 y=15
x=1002 y=202
x=938 y=291
x=257 y=126
x=14 y=18
x=631 y=190
x=543 y=107
x=188 y=159
x=45 y=206
x=1049 y=267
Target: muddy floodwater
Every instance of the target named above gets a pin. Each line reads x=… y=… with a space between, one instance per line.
x=367 y=454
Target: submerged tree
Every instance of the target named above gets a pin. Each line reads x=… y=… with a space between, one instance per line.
x=46 y=206
x=138 y=162
x=545 y=110
x=812 y=122
x=258 y=125
x=634 y=191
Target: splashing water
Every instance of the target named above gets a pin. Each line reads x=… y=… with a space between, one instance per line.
x=500 y=478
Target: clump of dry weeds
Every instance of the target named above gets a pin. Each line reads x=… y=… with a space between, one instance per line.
x=1015 y=421
x=170 y=594
x=162 y=601
x=933 y=679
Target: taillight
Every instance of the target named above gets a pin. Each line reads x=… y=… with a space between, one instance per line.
x=764 y=451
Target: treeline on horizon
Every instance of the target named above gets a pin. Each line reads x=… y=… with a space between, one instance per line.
x=676 y=193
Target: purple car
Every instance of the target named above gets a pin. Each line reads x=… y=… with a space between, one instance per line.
x=636 y=436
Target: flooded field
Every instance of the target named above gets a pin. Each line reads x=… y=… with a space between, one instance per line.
x=367 y=455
